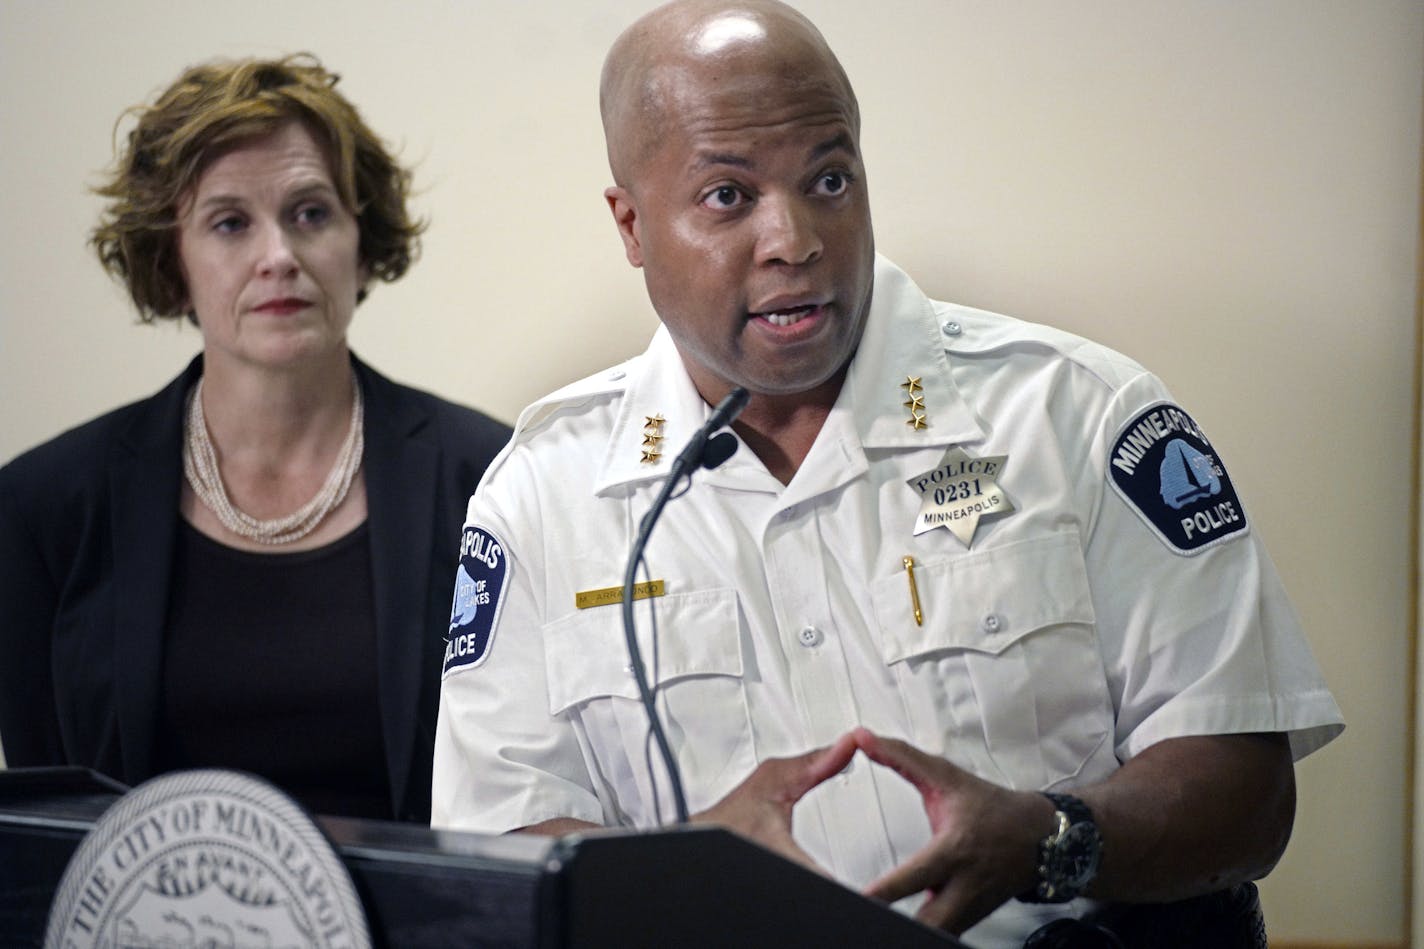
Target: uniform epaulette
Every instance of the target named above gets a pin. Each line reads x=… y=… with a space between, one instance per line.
x=608 y=382
x=983 y=331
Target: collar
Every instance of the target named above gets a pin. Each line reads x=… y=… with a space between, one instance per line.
x=903 y=339
x=660 y=402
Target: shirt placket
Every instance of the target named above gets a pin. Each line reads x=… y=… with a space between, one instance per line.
x=817 y=669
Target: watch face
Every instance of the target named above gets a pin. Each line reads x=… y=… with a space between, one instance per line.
x=1068 y=857
x=1077 y=856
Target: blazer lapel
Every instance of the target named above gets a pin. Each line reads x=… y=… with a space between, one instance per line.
x=144 y=483
x=401 y=462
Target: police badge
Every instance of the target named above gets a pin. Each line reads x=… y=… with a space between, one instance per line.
x=959 y=493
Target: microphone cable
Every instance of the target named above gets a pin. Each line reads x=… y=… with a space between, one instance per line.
x=704 y=450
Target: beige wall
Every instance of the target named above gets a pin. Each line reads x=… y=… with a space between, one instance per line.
x=1225 y=191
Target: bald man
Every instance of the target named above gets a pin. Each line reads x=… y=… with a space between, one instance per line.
x=972 y=619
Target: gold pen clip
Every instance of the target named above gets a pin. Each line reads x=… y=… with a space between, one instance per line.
x=914 y=590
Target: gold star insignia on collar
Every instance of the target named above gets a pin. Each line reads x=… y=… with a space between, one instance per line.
x=916 y=403
x=652 y=438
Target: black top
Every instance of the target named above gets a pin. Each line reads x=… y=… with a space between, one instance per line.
x=270 y=667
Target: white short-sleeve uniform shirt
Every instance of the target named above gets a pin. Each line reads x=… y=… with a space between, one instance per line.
x=1124 y=599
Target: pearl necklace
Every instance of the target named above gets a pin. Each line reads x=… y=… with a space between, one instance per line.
x=200 y=465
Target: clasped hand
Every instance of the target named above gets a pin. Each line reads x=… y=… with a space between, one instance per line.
x=983 y=837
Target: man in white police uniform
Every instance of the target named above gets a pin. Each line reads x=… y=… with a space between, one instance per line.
x=958 y=560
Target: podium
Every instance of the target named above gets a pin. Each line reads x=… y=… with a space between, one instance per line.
x=686 y=886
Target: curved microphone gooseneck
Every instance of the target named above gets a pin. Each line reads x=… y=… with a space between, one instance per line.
x=703 y=451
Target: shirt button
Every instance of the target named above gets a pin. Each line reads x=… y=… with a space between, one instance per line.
x=616 y=374
x=992 y=623
x=952 y=328
x=809 y=636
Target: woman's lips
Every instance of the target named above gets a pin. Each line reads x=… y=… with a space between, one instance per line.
x=283 y=306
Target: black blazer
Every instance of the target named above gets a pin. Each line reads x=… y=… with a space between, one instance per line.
x=88 y=523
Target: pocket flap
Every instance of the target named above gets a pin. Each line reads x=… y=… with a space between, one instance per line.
x=586 y=653
x=985 y=600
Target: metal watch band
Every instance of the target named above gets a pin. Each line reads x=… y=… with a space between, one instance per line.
x=1068 y=856
x=1076 y=810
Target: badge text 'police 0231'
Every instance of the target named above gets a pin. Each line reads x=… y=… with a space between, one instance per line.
x=959 y=492
x=1164 y=467
x=480 y=582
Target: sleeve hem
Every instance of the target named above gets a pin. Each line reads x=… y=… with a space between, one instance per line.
x=1311 y=720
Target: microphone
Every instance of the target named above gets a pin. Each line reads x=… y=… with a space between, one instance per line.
x=703 y=450
x=723 y=415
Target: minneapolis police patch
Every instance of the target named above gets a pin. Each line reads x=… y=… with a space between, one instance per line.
x=480 y=582
x=1167 y=471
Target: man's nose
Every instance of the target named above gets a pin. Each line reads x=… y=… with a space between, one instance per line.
x=787 y=231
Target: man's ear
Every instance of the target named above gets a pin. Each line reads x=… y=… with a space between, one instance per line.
x=625 y=216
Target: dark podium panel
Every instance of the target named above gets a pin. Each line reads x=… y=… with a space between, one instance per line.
x=685 y=887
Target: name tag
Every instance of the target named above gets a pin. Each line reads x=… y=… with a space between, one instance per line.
x=610 y=595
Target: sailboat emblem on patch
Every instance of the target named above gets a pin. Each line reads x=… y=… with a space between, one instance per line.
x=1187 y=475
x=1167 y=471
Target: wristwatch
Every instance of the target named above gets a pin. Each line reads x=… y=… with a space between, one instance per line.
x=1068 y=857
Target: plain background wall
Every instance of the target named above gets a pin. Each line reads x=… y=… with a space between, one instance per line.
x=1227 y=192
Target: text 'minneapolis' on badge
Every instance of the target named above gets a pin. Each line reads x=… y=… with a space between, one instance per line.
x=960 y=492
x=480 y=582
x=1164 y=467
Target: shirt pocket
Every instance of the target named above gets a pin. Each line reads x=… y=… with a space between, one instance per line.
x=1004 y=676
x=695 y=665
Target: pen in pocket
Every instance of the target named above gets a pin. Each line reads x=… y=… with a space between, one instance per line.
x=914 y=590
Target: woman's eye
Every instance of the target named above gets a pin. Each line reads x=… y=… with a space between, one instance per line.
x=312 y=214
x=229 y=224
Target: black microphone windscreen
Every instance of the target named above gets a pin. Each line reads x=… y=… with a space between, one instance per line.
x=719 y=449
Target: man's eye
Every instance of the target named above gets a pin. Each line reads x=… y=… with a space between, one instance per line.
x=833 y=183
x=724 y=197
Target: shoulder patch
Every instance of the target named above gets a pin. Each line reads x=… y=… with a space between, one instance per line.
x=480 y=582
x=1166 y=470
